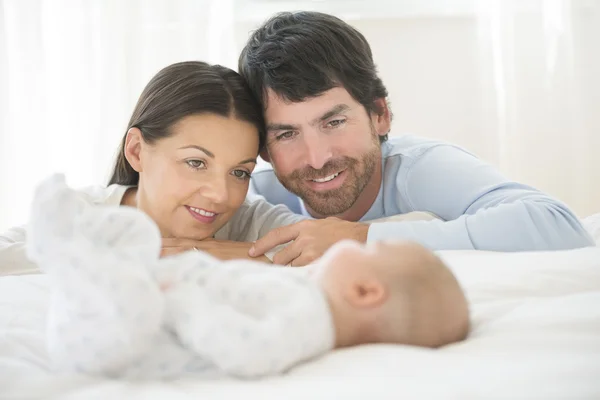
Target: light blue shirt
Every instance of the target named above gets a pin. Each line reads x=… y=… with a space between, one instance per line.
x=478 y=207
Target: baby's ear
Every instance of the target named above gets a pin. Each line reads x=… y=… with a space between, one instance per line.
x=366 y=293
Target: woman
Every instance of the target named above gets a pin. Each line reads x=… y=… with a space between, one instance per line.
x=185 y=160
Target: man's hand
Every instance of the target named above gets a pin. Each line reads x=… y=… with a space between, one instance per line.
x=221 y=249
x=310 y=239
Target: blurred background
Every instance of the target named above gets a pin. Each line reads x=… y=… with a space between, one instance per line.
x=516 y=82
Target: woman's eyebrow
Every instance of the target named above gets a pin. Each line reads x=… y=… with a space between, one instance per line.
x=202 y=149
x=211 y=155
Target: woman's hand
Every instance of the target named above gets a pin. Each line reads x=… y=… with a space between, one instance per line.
x=221 y=249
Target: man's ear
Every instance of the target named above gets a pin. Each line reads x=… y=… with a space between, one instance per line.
x=133 y=148
x=366 y=293
x=264 y=154
x=381 y=117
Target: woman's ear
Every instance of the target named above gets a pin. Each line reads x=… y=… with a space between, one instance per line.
x=133 y=148
x=366 y=293
x=381 y=117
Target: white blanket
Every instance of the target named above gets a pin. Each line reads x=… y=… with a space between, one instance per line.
x=536 y=335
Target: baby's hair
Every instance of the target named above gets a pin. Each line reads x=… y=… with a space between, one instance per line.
x=426 y=305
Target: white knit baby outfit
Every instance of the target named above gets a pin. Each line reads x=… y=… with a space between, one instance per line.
x=119 y=310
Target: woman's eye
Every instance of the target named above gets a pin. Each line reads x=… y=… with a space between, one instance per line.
x=335 y=123
x=241 y=174
x=285 y=135
x=195 y=164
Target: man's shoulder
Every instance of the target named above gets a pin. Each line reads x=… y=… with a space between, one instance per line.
x=404 y=152
x=410 y=146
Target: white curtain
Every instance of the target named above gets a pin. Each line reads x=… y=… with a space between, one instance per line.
x=71 y=71
x=541 y=94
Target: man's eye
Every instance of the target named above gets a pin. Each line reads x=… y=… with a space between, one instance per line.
x=195 y=164
x=241 y=174
x=285 y=135
x=335 y=123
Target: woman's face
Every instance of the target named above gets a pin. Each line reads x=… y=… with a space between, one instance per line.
x=192 y=182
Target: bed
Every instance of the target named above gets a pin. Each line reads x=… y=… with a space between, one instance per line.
x=536 y=335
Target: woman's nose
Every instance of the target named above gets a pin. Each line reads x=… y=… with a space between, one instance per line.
x=216 y=190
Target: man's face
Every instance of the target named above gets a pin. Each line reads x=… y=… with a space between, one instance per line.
x=324 y=149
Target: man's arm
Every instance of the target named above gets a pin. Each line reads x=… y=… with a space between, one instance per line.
x=482 y=209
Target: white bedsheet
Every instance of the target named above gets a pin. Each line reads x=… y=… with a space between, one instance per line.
x=536 y=335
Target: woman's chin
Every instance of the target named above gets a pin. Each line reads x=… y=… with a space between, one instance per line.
x=184 y=228
x=197 y=232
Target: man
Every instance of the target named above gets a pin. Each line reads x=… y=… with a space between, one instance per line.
x=327 y=142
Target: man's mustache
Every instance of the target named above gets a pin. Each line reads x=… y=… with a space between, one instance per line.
x=330 y=168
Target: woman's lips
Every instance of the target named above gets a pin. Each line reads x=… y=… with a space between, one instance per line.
x=202 y=215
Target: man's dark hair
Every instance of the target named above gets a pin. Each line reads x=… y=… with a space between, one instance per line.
x=302 y=54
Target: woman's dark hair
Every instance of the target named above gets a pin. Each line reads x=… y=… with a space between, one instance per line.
x=302 y=54
x=183 y=89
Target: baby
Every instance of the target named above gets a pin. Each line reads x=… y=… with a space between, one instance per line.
x=119 y=310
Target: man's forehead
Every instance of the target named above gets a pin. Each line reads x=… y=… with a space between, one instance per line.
x=281 y=110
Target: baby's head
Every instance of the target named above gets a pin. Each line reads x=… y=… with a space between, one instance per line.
x=392 y=292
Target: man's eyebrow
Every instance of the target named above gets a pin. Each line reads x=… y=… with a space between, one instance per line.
x=333 y=111
x=288 y=127
x=202 y=149
x=281 y=127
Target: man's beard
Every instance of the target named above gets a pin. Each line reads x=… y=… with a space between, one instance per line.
x=335 y=201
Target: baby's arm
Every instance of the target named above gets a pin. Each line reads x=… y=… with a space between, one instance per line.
x=253 y=320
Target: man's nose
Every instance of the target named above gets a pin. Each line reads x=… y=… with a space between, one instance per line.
x=317 y=150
